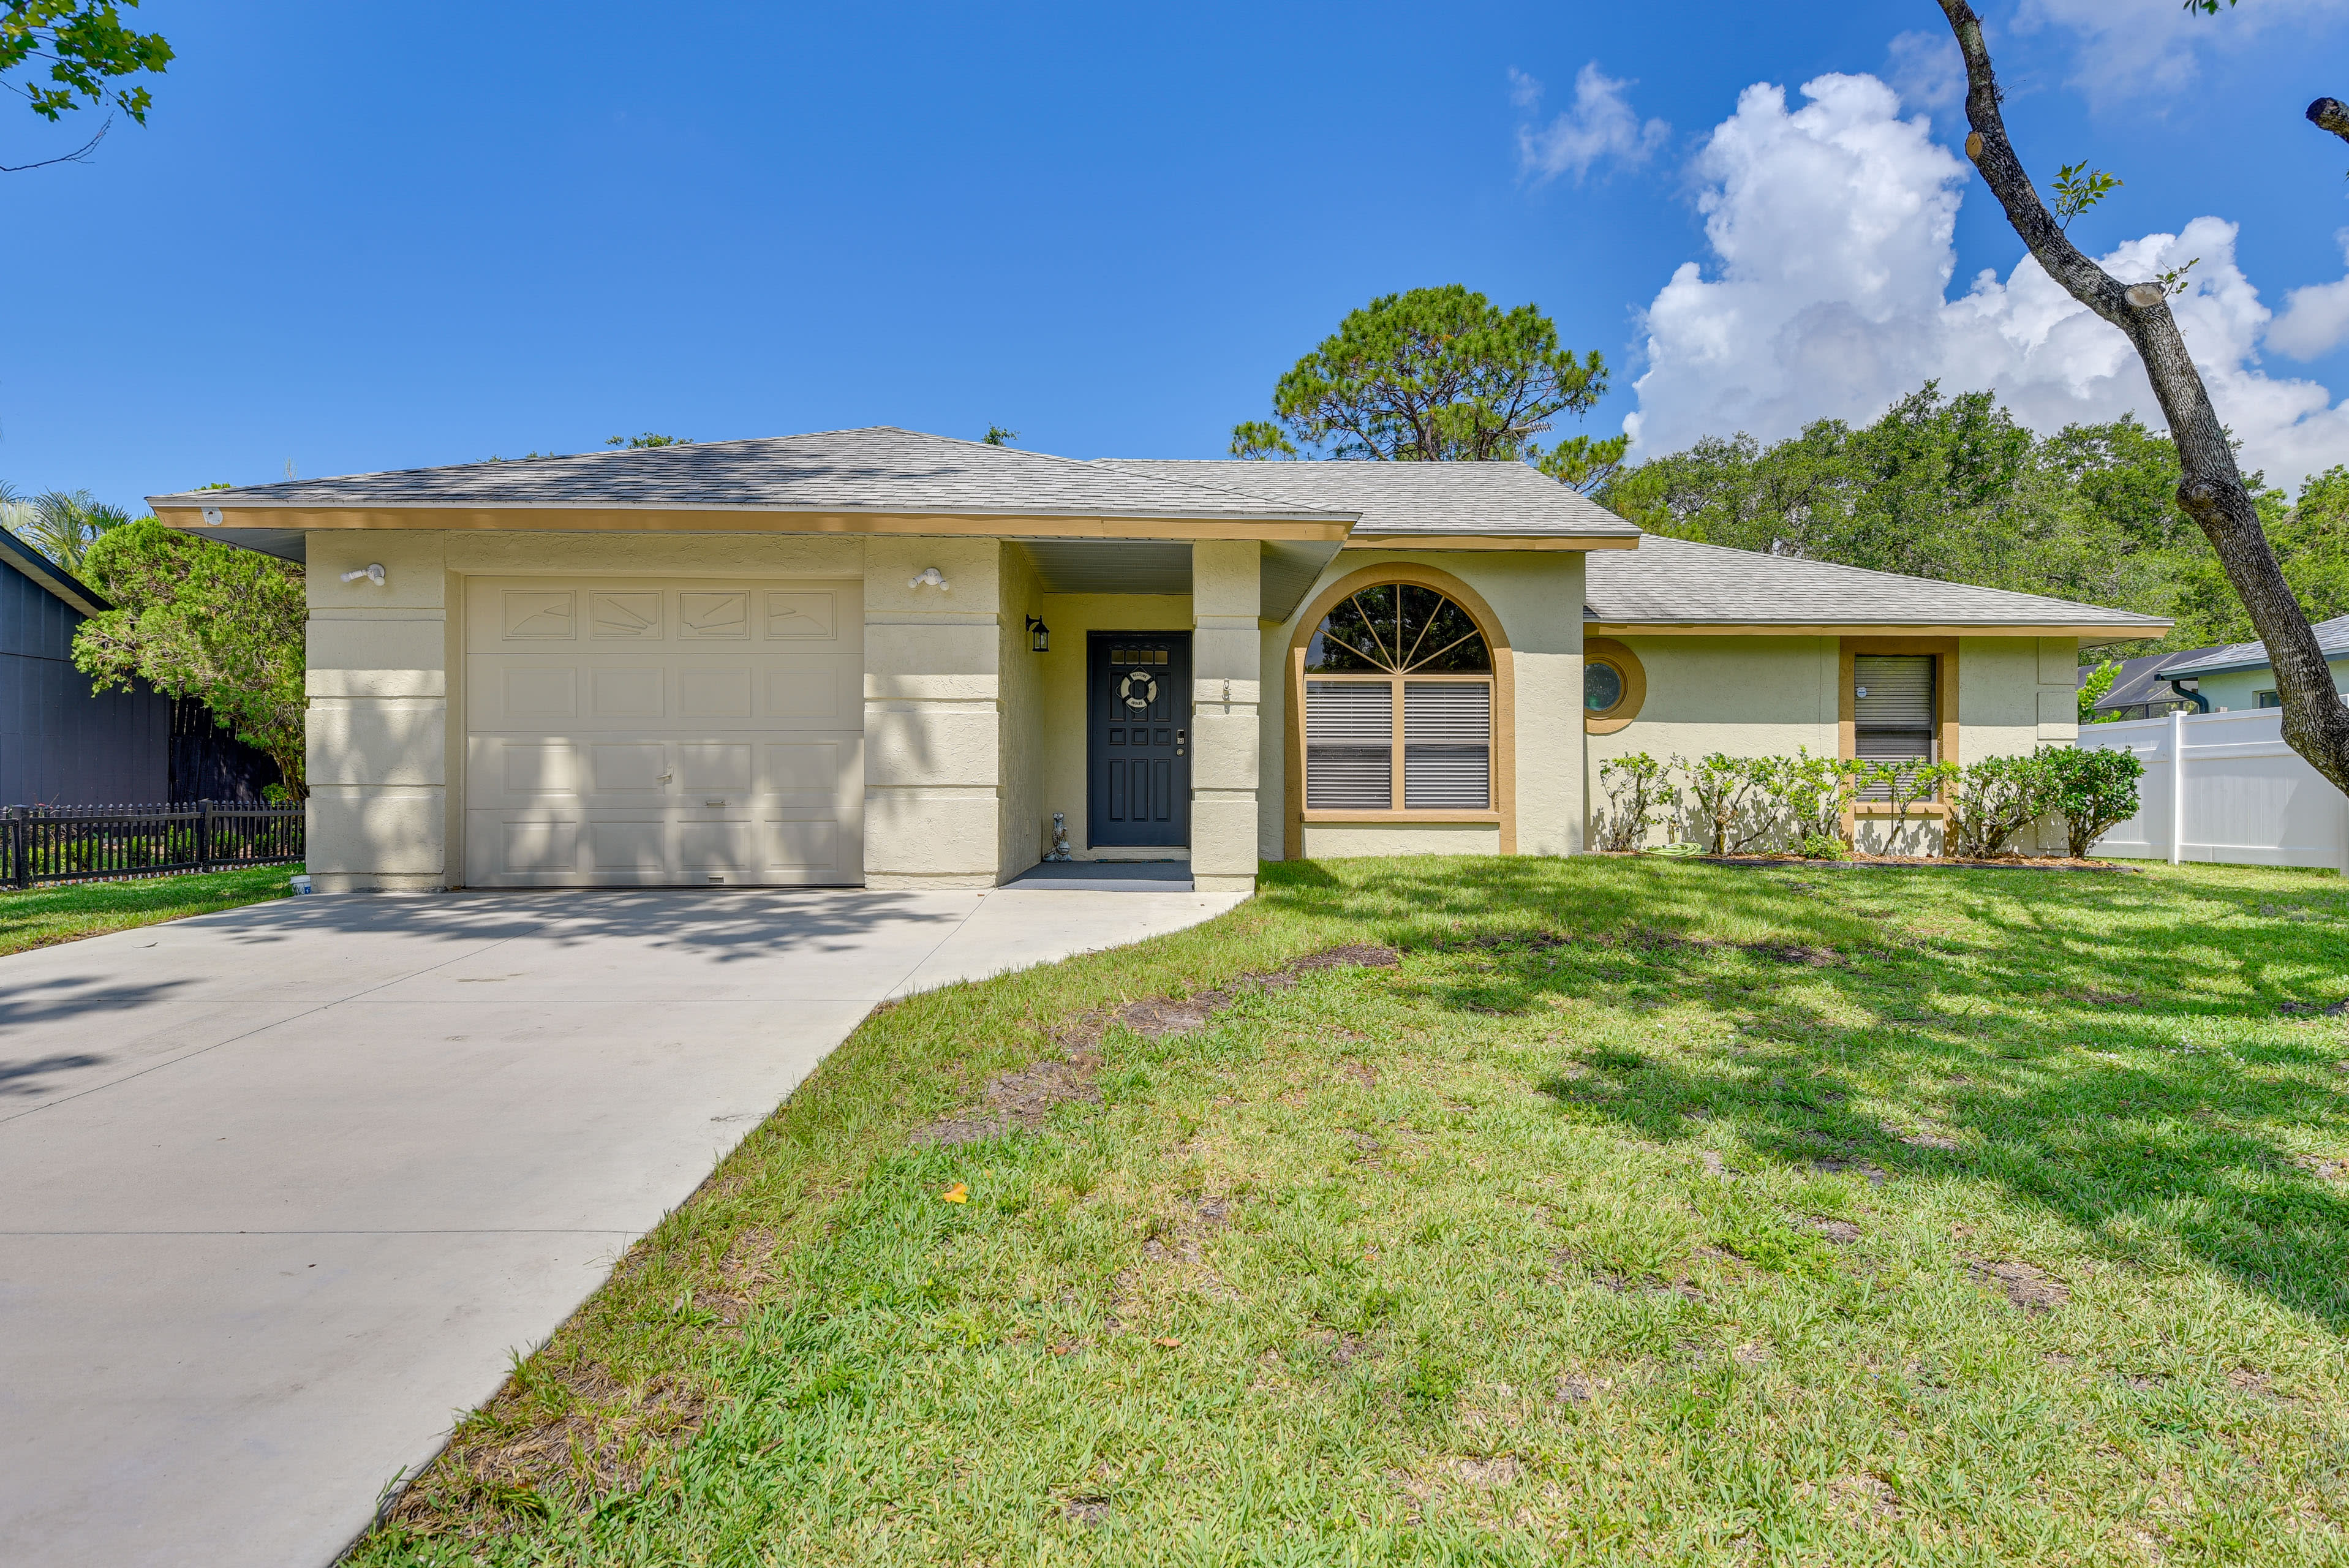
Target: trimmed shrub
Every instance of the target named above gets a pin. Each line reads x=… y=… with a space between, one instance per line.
x=2091 y=789
x=1640 y=793
x=1994 y=799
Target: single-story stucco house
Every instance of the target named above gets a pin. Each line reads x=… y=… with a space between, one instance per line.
x=881 y=659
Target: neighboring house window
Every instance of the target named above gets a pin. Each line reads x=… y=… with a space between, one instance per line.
x=1398 y=705
x=1893 y=710
x=2268 y=699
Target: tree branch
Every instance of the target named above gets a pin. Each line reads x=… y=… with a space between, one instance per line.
x=78 y=155
x=2212 y=489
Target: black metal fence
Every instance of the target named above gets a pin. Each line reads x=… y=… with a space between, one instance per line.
x=92 y=843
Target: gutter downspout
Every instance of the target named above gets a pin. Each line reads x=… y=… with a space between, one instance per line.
x=2201 y=704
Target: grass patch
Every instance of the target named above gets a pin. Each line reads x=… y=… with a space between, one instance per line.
x=39 y=916
x=1645 y=1213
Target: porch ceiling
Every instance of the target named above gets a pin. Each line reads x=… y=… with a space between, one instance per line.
x=1290 y=567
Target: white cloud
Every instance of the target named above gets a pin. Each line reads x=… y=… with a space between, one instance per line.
x=1600 y=125
x=1831 y=228
x=2315 y=319
x=2131 y=47
x=1927 y=70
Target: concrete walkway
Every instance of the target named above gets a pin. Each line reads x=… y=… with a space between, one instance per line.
x=282 y=1188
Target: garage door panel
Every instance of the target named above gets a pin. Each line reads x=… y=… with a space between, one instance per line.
x=715 y=765
x=803 y=845
x=544 y=844
x=636 y=733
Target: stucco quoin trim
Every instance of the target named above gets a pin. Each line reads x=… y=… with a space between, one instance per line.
x=1504 y=810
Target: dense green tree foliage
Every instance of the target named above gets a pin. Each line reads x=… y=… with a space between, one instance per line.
x=56 y=55
x=1954 y=487
x=1433 y=374
x=194 y=617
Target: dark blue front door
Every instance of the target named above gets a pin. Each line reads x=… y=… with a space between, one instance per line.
x=1138 y=738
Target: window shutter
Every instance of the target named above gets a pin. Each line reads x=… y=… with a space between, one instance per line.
x=1895 y=722
x=1348 y=746
x=1447 y=731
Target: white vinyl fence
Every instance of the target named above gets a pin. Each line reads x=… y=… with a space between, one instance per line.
x=2224 y=787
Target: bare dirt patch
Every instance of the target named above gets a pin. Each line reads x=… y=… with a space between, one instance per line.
x=1842 y=1230
x=1021 y=1100
x=1159 y=1016
x=1859 y=1498
x=2028 y=1288
x=2323 y=1170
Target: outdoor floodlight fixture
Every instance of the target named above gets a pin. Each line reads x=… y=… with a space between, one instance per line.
x=931 y=577
x=372 y=572
x=1039 y=635
x=212 y=516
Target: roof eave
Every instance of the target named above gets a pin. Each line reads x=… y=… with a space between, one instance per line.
x=2085 y=630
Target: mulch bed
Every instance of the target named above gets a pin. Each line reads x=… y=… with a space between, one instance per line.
x=1892 y=862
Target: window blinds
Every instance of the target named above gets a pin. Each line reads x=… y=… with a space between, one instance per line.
x=1893 y=717
x=1348 y=746
x=1350 y=751
x=1447 y=731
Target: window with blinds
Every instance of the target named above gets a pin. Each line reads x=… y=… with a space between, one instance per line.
x=1402 y=717
x=1894 y=714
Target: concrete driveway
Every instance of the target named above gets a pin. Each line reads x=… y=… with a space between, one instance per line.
x=282 y=1189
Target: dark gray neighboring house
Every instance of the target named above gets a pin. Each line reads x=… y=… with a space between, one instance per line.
x=60 y=744
x=2138 y=690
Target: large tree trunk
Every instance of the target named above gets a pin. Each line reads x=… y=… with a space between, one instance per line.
x=2315 y=720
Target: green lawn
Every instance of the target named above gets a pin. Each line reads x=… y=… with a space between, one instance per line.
x=35 y=917
x=1647 y=1212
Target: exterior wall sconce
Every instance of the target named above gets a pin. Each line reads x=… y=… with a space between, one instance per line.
x=373 y=572
x=931 y=577
x=1039 y=635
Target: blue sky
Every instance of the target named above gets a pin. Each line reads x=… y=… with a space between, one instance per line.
x=356 y=238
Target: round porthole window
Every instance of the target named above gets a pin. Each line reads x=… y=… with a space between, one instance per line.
x=1614 y=686
x=1602 y=687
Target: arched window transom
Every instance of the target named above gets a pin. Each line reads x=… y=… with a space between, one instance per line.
x=1398 y=705
x=1398 y=628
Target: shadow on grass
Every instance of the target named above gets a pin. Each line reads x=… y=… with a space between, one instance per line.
x=2095 y=1046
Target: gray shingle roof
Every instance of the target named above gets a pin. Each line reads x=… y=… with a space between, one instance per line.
x=1672 y=579
x=877 y=469
x=2332 y=637
x=1498 y=498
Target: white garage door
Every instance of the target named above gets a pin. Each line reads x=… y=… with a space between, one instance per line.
x=663 y=732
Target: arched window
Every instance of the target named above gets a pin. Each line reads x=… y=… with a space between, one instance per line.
x=1398 y=705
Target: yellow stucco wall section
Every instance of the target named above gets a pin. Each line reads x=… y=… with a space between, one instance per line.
x=1021 y=824
x=932 y=714
x=376 y=750
x=1227 y=683
x=1538 y=596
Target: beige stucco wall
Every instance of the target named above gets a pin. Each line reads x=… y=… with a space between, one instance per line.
x=1225 y=595
x=932 y=714
x=1071 y=616
x=1538 y=596
x=1023 y=823
x=377 y=745
x=1755 y=696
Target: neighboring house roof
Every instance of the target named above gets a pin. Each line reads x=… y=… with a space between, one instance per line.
x=60 y=583
x=877 y=469
x=1402 y=499
x=2332 y=637
x=2140 y=681
x=1671 y=583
